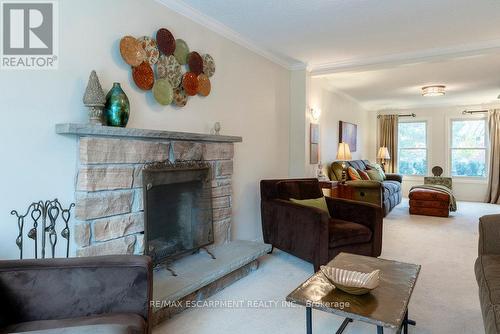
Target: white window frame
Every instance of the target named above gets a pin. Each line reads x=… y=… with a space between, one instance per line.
x=486 y=148
x=427 y=136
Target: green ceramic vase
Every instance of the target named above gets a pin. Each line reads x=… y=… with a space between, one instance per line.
x=117 y=108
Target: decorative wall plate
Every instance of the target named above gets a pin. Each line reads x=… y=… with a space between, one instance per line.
x=165 y=41
x=149 y=45
x=132 y=51
x=195 y=63
x=180 y=97
x=163 y=92
x=181 y=51
x=208 y=65
x=190 y=83
x=143 y=76
x=204 y=85
x=170 y=69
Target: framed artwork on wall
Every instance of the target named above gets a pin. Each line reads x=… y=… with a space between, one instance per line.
x=348 y=133
x=314 y=144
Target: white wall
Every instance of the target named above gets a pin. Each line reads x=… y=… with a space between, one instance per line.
x=336 y=106
x=438 y=120
x=298 y=163
x=250 y=97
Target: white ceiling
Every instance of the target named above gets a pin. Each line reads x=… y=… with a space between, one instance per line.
x=469 y=81
x=384 y=36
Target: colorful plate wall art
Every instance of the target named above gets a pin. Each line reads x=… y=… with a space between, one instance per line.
x=132 y=51
x=165 y=41
x=204 y=85
x=151 y=49
x=170 y=69
x=166 y=66
x=208 y=65
x=180 y=97
x=190 y=83
x=195 y=63
x=143 y=76
x=181 y=51
x=163 y=92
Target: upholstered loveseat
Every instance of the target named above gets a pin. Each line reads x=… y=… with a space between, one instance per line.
x=386 y=194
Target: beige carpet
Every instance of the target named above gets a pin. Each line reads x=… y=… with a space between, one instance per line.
x=445 y=299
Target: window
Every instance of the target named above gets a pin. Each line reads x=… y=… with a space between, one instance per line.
x=412 y=148
x=468 y=147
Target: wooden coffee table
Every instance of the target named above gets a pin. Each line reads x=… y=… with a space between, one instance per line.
x=385 y=306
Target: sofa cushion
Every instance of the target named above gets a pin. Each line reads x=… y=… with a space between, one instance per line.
x=363 y=174
x=353 y=174
x=343 y=233
x=487 y=269
x=336 y=171
x=318 y=203
x=357 y=164
x=374 y=175
x=119 y=323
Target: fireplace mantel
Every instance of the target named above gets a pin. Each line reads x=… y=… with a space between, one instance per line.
x=110 y=131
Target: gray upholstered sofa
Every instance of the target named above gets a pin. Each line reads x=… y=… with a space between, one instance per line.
x=487 y=268
x=386 y=194
x=107 y=294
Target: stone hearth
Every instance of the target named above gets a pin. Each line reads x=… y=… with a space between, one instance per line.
x=109 y=201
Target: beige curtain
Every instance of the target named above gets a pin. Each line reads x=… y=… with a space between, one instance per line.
x=494 y=171
x=388 y=137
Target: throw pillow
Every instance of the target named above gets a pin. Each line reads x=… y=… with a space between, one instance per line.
x=318 y=203
x=353 y=174
x=378 y=169
x=374 y=175
x=363 y=174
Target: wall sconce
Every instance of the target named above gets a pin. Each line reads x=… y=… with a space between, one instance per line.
x=315 y=114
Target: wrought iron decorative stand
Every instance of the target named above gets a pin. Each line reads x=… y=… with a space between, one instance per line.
x=44 y=213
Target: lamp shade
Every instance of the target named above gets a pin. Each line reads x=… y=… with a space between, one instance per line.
x=383 y=153
x=344 y=152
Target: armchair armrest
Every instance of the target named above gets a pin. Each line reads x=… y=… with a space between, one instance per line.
x=296 y=229
x=362 y=213
x=49 y=289
x=489 y=235
x=394 y=177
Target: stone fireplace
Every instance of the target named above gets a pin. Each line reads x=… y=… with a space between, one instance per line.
x=116 y=176
x=109 y=190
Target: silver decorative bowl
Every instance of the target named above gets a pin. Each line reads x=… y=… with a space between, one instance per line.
x=352 y=282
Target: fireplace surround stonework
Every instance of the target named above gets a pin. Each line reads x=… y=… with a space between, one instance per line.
x=109 y=203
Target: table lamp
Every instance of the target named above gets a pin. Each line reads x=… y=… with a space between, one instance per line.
x=383 y=155
x=344 y=154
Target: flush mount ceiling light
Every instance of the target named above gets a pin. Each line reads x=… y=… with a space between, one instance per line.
x=435 y=90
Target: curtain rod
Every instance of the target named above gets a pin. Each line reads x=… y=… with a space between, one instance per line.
x=403 y=115
x=473 y=111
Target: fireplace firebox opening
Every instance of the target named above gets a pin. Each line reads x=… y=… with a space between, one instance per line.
x=177 y=209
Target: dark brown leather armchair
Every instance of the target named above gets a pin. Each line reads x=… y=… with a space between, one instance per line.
x=309 y=233
x=109 y=293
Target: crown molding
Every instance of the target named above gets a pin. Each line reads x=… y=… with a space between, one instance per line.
x=428 y=55
x=437 y=105
x=212 y=24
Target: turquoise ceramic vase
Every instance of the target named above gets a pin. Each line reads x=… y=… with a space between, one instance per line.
x=117 y=108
